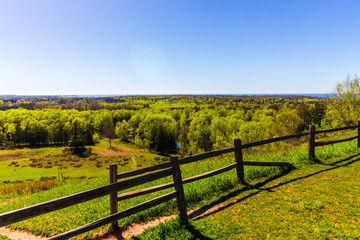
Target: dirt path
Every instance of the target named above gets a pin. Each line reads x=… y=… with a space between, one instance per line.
x=115 y=152
x=18 y=235
x=137 y=228
x=134 y=161
x=133 y=230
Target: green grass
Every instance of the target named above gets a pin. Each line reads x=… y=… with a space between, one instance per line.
x=23 y=184
x=27 y=164
x=197 y=194
x=317 y=202
x=2 y=237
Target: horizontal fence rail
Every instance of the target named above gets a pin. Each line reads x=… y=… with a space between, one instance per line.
x=323 y=143
x=144 y=170
x=166 y=169
x=56 y=204
x=336 y=129
x=202 y=156
x=313 y=143
x=111 y=218
x=209 y=174
x=272 y=140
x=144 y=191
x=267 y=164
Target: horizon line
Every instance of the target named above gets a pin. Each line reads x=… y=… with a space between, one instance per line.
x=162 y=94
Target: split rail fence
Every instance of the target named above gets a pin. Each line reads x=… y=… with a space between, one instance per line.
x=162 y=170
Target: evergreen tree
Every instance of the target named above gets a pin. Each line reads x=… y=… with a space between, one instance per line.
x=76 y=141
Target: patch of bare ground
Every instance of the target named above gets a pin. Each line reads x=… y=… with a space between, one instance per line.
x=133 y=230
x=137 y=228
x=19 y=235
x=11 y=157
x=115 y=152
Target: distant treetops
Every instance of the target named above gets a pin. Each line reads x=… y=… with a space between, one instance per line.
x=182 y=124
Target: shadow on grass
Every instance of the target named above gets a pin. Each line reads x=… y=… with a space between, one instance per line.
x=201 y=213
x=196 y=233
x=174 y=226
x=214 y=207
x=340 y=161
x=235 y=193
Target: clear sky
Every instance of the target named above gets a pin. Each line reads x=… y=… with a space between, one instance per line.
x=177 y=46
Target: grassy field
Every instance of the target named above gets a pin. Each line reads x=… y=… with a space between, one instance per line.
x=31 y=176
x=317 y=202
x=33 y=164
x=64 y=178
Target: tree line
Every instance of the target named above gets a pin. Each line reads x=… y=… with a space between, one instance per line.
x=185 y=125
x=182 y=124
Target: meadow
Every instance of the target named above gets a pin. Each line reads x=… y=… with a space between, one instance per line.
x=320 y=201
x=39 y=164
x=19 y=191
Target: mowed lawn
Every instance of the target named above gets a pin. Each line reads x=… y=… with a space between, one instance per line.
x=320 y=201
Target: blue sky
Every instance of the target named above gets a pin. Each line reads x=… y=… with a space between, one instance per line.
x=177 y=46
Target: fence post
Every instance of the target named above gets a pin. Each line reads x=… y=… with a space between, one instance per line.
x=239 y=160
x=358 y=126
x=312 y=141
x=179 y=189
x=113 y=196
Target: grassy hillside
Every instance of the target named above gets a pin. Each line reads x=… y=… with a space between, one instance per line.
x=34 y=175
x=317 y=202
x=70 y=180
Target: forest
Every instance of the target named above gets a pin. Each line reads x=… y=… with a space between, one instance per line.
x=178 y=124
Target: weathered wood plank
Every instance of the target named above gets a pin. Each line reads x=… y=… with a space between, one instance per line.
x=144 y=191
x=144 y=170
x=113 y=196
x=178 y=184
x=272 y=140
x=267 y=164
x=239 y=160
x=323 y=143
x=358 y=142
x=50 y=206
x=336 y=129
x=201 y=156
x=128 y=212
x=312 y=142
x=210 y=174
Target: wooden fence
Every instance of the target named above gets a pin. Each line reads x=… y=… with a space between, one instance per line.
x=162 y=170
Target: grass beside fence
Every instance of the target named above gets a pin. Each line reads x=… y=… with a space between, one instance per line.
x=317 y=202
x=197 y=194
